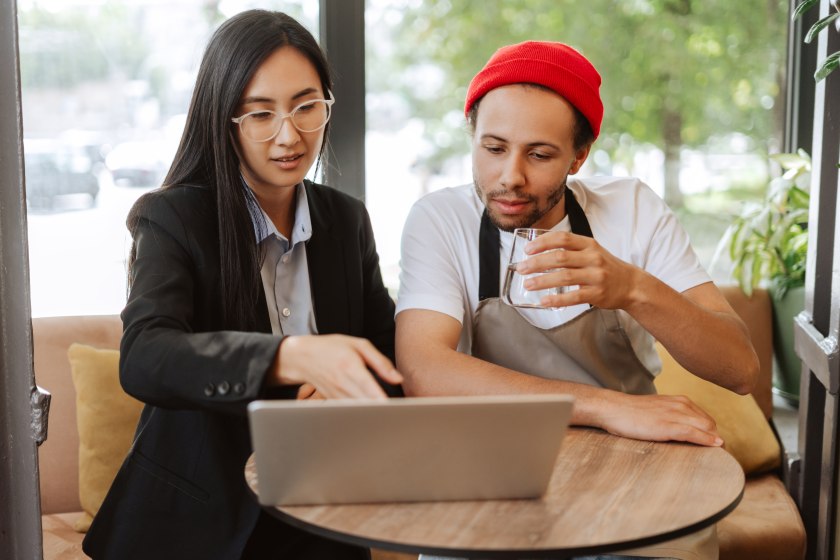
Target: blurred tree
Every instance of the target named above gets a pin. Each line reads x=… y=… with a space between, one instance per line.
x=675 y=72
x=62 y=48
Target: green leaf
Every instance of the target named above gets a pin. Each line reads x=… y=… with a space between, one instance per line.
x=799 y=198
x=819 y=26
x=799 y=243
x=755 y=275
x=790 y=160
x=721 y=247
x=828 y=66
x=804 y=7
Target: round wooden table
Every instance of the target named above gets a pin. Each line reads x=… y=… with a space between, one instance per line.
x=607 y=493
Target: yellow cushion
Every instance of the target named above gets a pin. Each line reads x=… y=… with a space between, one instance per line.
x=740 y=422
x=106 y=418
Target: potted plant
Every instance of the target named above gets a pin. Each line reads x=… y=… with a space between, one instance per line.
x=768 y=244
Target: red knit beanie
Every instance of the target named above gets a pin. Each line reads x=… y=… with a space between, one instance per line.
x=556 y=66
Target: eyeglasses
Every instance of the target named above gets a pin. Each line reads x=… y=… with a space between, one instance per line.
x=264 y=125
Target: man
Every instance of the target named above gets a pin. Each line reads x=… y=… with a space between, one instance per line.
x=534 y=111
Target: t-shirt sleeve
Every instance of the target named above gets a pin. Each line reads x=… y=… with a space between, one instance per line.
x=670 y=256
x=430 y=275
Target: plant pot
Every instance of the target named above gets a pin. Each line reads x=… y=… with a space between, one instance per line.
x=786 y=364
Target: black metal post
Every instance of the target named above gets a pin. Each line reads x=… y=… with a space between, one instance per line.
x=818 y=326
x=800 y=87
x=20 y=503
x=343 y=39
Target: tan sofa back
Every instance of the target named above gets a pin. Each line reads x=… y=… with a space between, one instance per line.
x=59 y=455
x=757 y=313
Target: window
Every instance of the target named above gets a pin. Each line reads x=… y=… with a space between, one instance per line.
x=692 y=90
x=106 y=86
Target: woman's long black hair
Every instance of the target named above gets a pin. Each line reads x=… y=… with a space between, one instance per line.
x=207 y=153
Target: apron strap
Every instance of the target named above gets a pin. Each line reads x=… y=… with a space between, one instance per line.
x=488 y=245
x=577 y=218
x=488 y=259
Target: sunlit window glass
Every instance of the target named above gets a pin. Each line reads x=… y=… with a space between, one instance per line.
x=692 y=93
x=105 y=89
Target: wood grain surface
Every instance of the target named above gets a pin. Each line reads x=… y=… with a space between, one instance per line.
x=606 y=493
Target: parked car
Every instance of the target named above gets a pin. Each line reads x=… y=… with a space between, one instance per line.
x=137 y=164
x=53 y=169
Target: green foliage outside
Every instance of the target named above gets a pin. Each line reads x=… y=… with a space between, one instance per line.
x=676 y=72
x=61 y=49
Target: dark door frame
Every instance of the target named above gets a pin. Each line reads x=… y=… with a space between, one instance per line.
x=816 y=328
x=20 y=503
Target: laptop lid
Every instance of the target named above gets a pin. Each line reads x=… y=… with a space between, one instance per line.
x=405 y=450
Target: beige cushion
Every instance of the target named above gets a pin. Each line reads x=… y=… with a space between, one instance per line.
x=757 y=313
x=765 y=525
x=106 y=417
x=58 y=457
x=740 y=422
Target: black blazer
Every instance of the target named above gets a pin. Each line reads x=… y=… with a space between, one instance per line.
x=180 y=492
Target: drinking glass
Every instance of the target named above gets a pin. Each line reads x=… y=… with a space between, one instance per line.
x=514 y=292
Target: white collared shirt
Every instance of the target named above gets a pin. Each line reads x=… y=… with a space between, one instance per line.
x=440 y=264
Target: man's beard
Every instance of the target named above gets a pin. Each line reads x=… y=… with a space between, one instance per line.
x=554 y=197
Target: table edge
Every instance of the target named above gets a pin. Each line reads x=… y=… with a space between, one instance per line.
x=499 y=553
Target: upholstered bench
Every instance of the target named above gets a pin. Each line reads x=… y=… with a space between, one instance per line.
x=59 y=456
x=92 y=342
x=766 y=524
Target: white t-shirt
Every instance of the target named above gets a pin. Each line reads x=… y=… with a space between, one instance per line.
x=439 y=257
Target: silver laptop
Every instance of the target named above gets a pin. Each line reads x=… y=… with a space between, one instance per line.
x=406 y=450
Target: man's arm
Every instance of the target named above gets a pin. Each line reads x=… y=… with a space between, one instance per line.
x=701 y=330
x=698 y=327
x=428 y=359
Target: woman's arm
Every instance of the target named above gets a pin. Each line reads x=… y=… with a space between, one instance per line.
x=170 y=354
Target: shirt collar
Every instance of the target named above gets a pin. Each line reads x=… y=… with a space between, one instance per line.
x=302 y=230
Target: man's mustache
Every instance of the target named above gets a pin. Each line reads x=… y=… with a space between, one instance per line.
x=514 y=193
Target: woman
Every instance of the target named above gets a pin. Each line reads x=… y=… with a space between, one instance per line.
x=237 y=264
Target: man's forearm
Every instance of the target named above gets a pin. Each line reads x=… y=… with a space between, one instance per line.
x=432 y=372
x=647 y=417
x=700 y=330
x=431 y=365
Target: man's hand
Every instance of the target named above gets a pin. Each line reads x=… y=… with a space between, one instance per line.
x=656 y=418
x=677 y=319
x=309 y=392
x=604 y=280
x=335 y=366
x=426 y=346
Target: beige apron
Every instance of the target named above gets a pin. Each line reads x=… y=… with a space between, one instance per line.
x=593 y=348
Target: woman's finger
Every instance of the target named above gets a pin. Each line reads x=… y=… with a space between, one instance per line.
x=378 y=362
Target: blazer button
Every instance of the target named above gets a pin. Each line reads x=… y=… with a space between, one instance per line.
x=239 y=388
x=209 y=390
x=224 y=388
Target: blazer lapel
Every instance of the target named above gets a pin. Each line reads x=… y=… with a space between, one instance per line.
x=327 y=268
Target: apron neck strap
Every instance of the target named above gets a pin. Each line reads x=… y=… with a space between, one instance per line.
x=488 y=245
